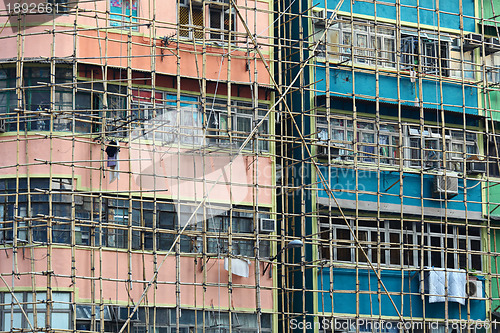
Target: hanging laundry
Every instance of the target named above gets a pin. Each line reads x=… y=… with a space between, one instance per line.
x=112 y=148
x=413 y=76
x=112 y=151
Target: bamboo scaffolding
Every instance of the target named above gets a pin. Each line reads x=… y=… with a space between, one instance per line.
x=291 y=126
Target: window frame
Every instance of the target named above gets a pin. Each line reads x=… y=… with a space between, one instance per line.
x=61 y=6
x=190 y=30
x=108 y=221
x=222 y=33
x=25 y=299
x=426 y=47
x=434 y=134
x=123 y=20
x=386 y=140
x=344 y=43
x=345 y=147
x=238 y=110
x=391 y=254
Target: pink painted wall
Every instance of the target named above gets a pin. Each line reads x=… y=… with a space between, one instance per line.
x=38 y=31
x=115 y=266
x=178 y=174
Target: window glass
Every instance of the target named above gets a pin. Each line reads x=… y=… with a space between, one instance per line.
x=60 y=320
x=16 y=323
x=8 y=299
x=123 y=13
x=387 y=242
x=61 y=300
x=344 y=252
x=365 y=38
x=41 y=297
x=367 y=137
x=243 y=119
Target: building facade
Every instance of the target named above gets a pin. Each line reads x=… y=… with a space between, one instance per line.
x=249 y=166
x=131 y=199
x=395 y=106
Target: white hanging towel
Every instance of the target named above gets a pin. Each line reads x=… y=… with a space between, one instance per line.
x=115 y=167
x=239 y=267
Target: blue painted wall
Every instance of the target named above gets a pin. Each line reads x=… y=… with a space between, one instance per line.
x=297 y=99
x=427 y=11
x=344 y=179
x=345 y=280
x=365 y=84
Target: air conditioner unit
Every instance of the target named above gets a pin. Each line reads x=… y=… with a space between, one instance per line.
x=445 y=187
x=267 y=225
x=323 y=151
x=335 y=151
x=474 y=288
x=318 y=16
x=2 y=126
x=476 y=167
x=472 y=41
x=492 y=45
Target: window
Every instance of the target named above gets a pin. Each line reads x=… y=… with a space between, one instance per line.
x=336 y=138
x=117 y=117
x=341 y=136
x=244 y=322
x=190 y=19
x=493 y=74
x=84 y=317
x=359 y=40
x=8 y=97
x=242 y=227
x=319 y=28
x=112 y=221
x=431 y=51
x=457 y=144
x=166 y=122
x=221 y=21
x=341 y=139
x=387 y=242
x=12 y=313
x=114 y=317
x=462 y=145
x=36 y=97
x=431 y=149
x=169 y=121
x=117 y=237
x=124 y=13
x=456 y=61
x=492 y=63
x=243 y=118
x=153 y=120
x=493 y=156
x=243 y=123
x=193 y=321
x=190 y=128
x=60 y=6
x=218 y=123
x=39 y=205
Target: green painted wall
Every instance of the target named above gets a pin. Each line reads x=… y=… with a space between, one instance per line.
x=495 y=268
x=492 y=192
x=491 y=9
x=493 y=102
